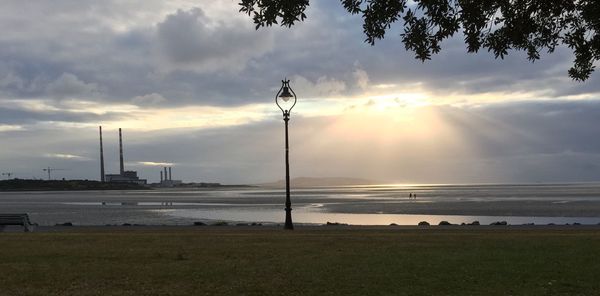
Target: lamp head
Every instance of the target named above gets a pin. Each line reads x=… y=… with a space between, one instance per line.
x=285 y=98
x=285 y=94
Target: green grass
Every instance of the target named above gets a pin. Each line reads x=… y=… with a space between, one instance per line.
x=249 y=261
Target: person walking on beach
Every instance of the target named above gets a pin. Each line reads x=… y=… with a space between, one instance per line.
x=410 y=196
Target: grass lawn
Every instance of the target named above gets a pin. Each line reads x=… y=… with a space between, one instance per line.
x=326 y=261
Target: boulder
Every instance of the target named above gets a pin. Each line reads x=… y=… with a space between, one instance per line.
x=335 y=223
x=64 y=224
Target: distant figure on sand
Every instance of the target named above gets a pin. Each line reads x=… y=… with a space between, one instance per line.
x=410 y=196
x=414 y=196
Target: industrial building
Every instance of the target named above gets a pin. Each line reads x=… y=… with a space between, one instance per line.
x=166 y=180
x=123 y=176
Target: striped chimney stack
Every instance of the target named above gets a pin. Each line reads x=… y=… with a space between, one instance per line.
x=101 y=158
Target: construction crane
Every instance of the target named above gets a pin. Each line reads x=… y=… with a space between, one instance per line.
x=7 y=175
x=50 y=170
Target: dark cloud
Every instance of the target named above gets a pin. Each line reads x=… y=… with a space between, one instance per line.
x=556 y=126
x=194 y=56
x=68 y=85
x=192 y=40
x=16 y=116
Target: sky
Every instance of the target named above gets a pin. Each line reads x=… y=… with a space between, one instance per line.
x=192 y=84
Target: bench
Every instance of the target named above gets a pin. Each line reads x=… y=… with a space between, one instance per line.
x=16 y=219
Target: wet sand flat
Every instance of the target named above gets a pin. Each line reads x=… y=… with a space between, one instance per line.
x=476 y=208
x=359 y=205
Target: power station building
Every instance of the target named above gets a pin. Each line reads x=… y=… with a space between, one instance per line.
x=123 y=176
x=167 y=180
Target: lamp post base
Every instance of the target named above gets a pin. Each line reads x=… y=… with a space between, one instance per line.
x=288 y=219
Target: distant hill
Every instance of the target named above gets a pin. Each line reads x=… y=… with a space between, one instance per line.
x=316 y=182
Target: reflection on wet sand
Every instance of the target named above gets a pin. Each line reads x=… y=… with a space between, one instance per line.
x=308 y=216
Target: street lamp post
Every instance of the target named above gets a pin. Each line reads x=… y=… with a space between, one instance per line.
x=286 y=100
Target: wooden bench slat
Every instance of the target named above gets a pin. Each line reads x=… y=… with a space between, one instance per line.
x=16 y=219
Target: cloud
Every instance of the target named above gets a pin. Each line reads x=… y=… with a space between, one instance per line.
x=68 y=85
x=66 y=156
x=115 y=52
x=10 y=80
x=7 y=128
x=323 y=87
x=149 y=99
x=21 y=114
x=192 y=40
x=362 y=78
x=155 y=164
